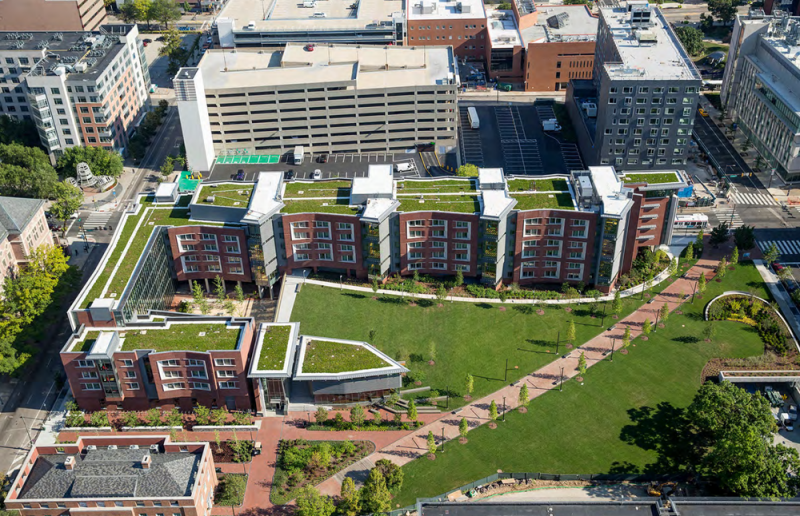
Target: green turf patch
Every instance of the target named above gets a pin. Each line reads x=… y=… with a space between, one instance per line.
x=561 y=201
x=88 y=341
x=435 y=187
x=455 y=203
x=474 y=338
x=538 y=185
x=655 y=178
x=184 y=337
x=617 y=421
x=340 y=206
x=324 y=356
x=273 y=349
x=317 y=189
x=226 y=195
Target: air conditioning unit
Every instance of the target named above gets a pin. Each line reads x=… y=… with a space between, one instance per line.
x=112 y=446
x=91 y=447
x=133 y=447
x=154 y=448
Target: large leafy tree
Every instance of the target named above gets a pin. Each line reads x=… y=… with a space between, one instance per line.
x=691 y=39
x=68 y=200
x=26 y=172
x=719 y=235
x=723 y=10
x=173 y=50
x=349 y=499
x=165 y=11
x=744 y=237
x=18 y=131
x=771 y=254
x=375 y=497
x=467 y=170
x=101 y=161
x=732 y=430
x=311 y=503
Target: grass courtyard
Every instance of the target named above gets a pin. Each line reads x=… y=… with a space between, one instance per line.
x=619 y=421
x=474 y=338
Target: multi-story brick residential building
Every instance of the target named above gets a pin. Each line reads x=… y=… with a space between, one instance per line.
x=266 y=103
x=173 y=362
x=760 y=87
x=80 y=88
x=23 y=228
x=638 y=110
x=62 y=15
x=145 y=475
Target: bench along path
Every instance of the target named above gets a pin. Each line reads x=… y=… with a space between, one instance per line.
x=414 y=445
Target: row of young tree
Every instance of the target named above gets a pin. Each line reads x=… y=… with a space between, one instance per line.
x=27 y=294
x=162 y=11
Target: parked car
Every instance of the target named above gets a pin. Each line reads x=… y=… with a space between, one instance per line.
x=792 y=411
x=317 y=174
x=290 y=175
x=240 y=175
x=147 y=40
x=702 y=112
x=323 y=158
x=777 y=267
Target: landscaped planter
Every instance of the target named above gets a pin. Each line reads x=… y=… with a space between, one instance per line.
x=227 y=428
x=150 y=428
x=87 y=429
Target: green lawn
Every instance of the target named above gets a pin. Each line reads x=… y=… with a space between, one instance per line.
x=318 y=189
x=455 y=203
x=561 y=201
x=324 y=356
x=273 y=350
x=653 y=178
x=340 y=206
x=433 y=187
x=184 y=337
x=474 y=338
x=226 y=195
x=540 y=185
x=710 y=47
x=618 y=421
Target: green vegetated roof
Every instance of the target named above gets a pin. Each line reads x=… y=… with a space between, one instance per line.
x=150 y=217
x=273 y=348
x=317 y=189
x=538 y=185
x=654 y=178
x=455 y=203
x=324 y=356
x=88 y=341
x=435 y=187
x=539 y=201
x=331 y=205
x=184 y=337
x=226 y=195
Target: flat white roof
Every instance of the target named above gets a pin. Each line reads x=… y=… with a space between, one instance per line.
x=378 y=181
x=496 y=203
x=490 y=176
x=102 y=343
x=289 y=15
x=609 y=188
x=579 y=25
x=264 y=199
x=376 y=209
x=445 y=9
x=651 y=53
x=369 y=67
x=502 y=28
x=167 y=189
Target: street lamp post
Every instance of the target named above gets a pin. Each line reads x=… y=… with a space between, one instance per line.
x=504 y=409
x=341 y=285
x=561 y=381
x=505 y=373
x=558 y=342
x=613 y=342
x=442 y=439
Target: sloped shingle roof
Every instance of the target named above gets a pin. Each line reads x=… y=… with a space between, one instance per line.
x=17 y=212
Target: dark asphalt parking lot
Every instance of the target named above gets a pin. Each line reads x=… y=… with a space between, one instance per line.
x=510 y=137
x=338 y=165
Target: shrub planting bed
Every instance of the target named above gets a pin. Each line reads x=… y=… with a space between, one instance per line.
x=756 y=313
x=232 y=451
x=231 y=489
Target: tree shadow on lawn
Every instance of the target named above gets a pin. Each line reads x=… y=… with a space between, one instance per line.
x=664 y=430
x=485 y=306
x=687 y=339
x=354 y=296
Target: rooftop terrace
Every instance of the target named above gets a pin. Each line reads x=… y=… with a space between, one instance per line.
x=225 y=194
x=183 y=337
x=326 y=356
x=104 y=473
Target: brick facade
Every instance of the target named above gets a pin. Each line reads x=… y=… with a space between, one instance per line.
x=324 y=240
x=205 y=252
x=438 y=244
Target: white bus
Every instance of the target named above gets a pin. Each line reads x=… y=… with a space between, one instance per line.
x=474 y=121
x=691 y=221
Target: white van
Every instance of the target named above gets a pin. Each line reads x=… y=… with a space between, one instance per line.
x=251 y=25
x=319 y=15
x=309 y=3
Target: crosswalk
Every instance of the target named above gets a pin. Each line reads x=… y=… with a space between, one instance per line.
x=97 y=219
x=729 y=215
x=786 y=247
x=758 y=199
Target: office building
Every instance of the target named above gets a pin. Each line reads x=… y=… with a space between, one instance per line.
x=775 y=6
x=273 y=23
x=23 y=228
x=559 y=41
x=326 y=98
x=171 y=362
x=638 y=110
x=760 y=87
x=460 y=24
x=80 y=88
x=52 y=15
x=146 y=475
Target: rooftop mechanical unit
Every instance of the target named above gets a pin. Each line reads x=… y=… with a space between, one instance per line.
x=559 y=21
